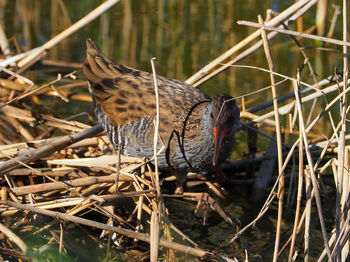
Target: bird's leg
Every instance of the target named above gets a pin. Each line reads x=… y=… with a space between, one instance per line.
x=205 y=200
x=181 y=177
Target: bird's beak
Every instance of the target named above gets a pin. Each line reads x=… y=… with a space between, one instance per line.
x=219 y=134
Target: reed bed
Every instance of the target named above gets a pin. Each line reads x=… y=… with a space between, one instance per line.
x=65 y=169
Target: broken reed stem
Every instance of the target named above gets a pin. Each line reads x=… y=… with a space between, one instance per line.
x=155 y=217
x=311 y=168
x=280 y=193
x=156 y=125
x=274 y=21
x=125 y=232
x=298 y=34
x=336 y=13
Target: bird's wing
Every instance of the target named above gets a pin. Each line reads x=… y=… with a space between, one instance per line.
x=126 y=94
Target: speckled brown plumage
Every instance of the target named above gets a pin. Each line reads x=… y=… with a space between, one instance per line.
x=191 y=124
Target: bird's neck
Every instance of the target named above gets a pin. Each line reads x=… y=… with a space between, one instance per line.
x=207 y=123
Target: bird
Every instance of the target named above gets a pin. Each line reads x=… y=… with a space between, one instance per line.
x=196 y=131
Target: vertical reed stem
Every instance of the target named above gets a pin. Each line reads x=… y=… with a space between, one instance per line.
x=343 y=176
x=156 y=125
x=307 y=216
x=299 y=197
x=311 y=169
x=279 y=139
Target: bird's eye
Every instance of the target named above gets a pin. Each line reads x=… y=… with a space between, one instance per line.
x=211 y=116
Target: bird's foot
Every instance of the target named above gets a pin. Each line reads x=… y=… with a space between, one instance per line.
x=205 y=200
x=179 y=190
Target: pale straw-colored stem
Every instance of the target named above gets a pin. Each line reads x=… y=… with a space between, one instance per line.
x=299 y=197
x=307 y=216
x=254 y=47
x=311 y=168
x=156 y=125
x=13 y=237
x=280 y=193
x=275 y=21
x=343 y=177
x=298 y=34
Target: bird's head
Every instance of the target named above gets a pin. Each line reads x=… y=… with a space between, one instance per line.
x=225 y=119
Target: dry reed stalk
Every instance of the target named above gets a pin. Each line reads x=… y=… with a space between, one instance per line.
x=321 y=15
x=299 y=198
x=49 y=148
x=126 y=232
x=271 y=195
x=154 y=236
x=70 y=30
x=17 y=57
x=13 y=237
x=280 y=194
x=276 y=20
x=343 y=177
x=156 y=125
x=282 y=98
x=181 y=234
x=288 y=107
x=345 y=196
x=28 y=116
x=31 y=91
x=307 y=214
x=14 y=253
x=140 y=200
x=117 y=173
x=336 y=13
x=298 y=34
x=290 y=153
x=11 y=85
x=264 y=209
x=256 y=46
x=64 y=64
x=4 y=44
x=60 y=246
x=59 y=185
x=17 y=76
x=18 y=126
x=311 y=168
x=104 y=161
x=159 y=208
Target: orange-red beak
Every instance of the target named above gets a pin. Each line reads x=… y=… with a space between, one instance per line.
x=219 y=134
